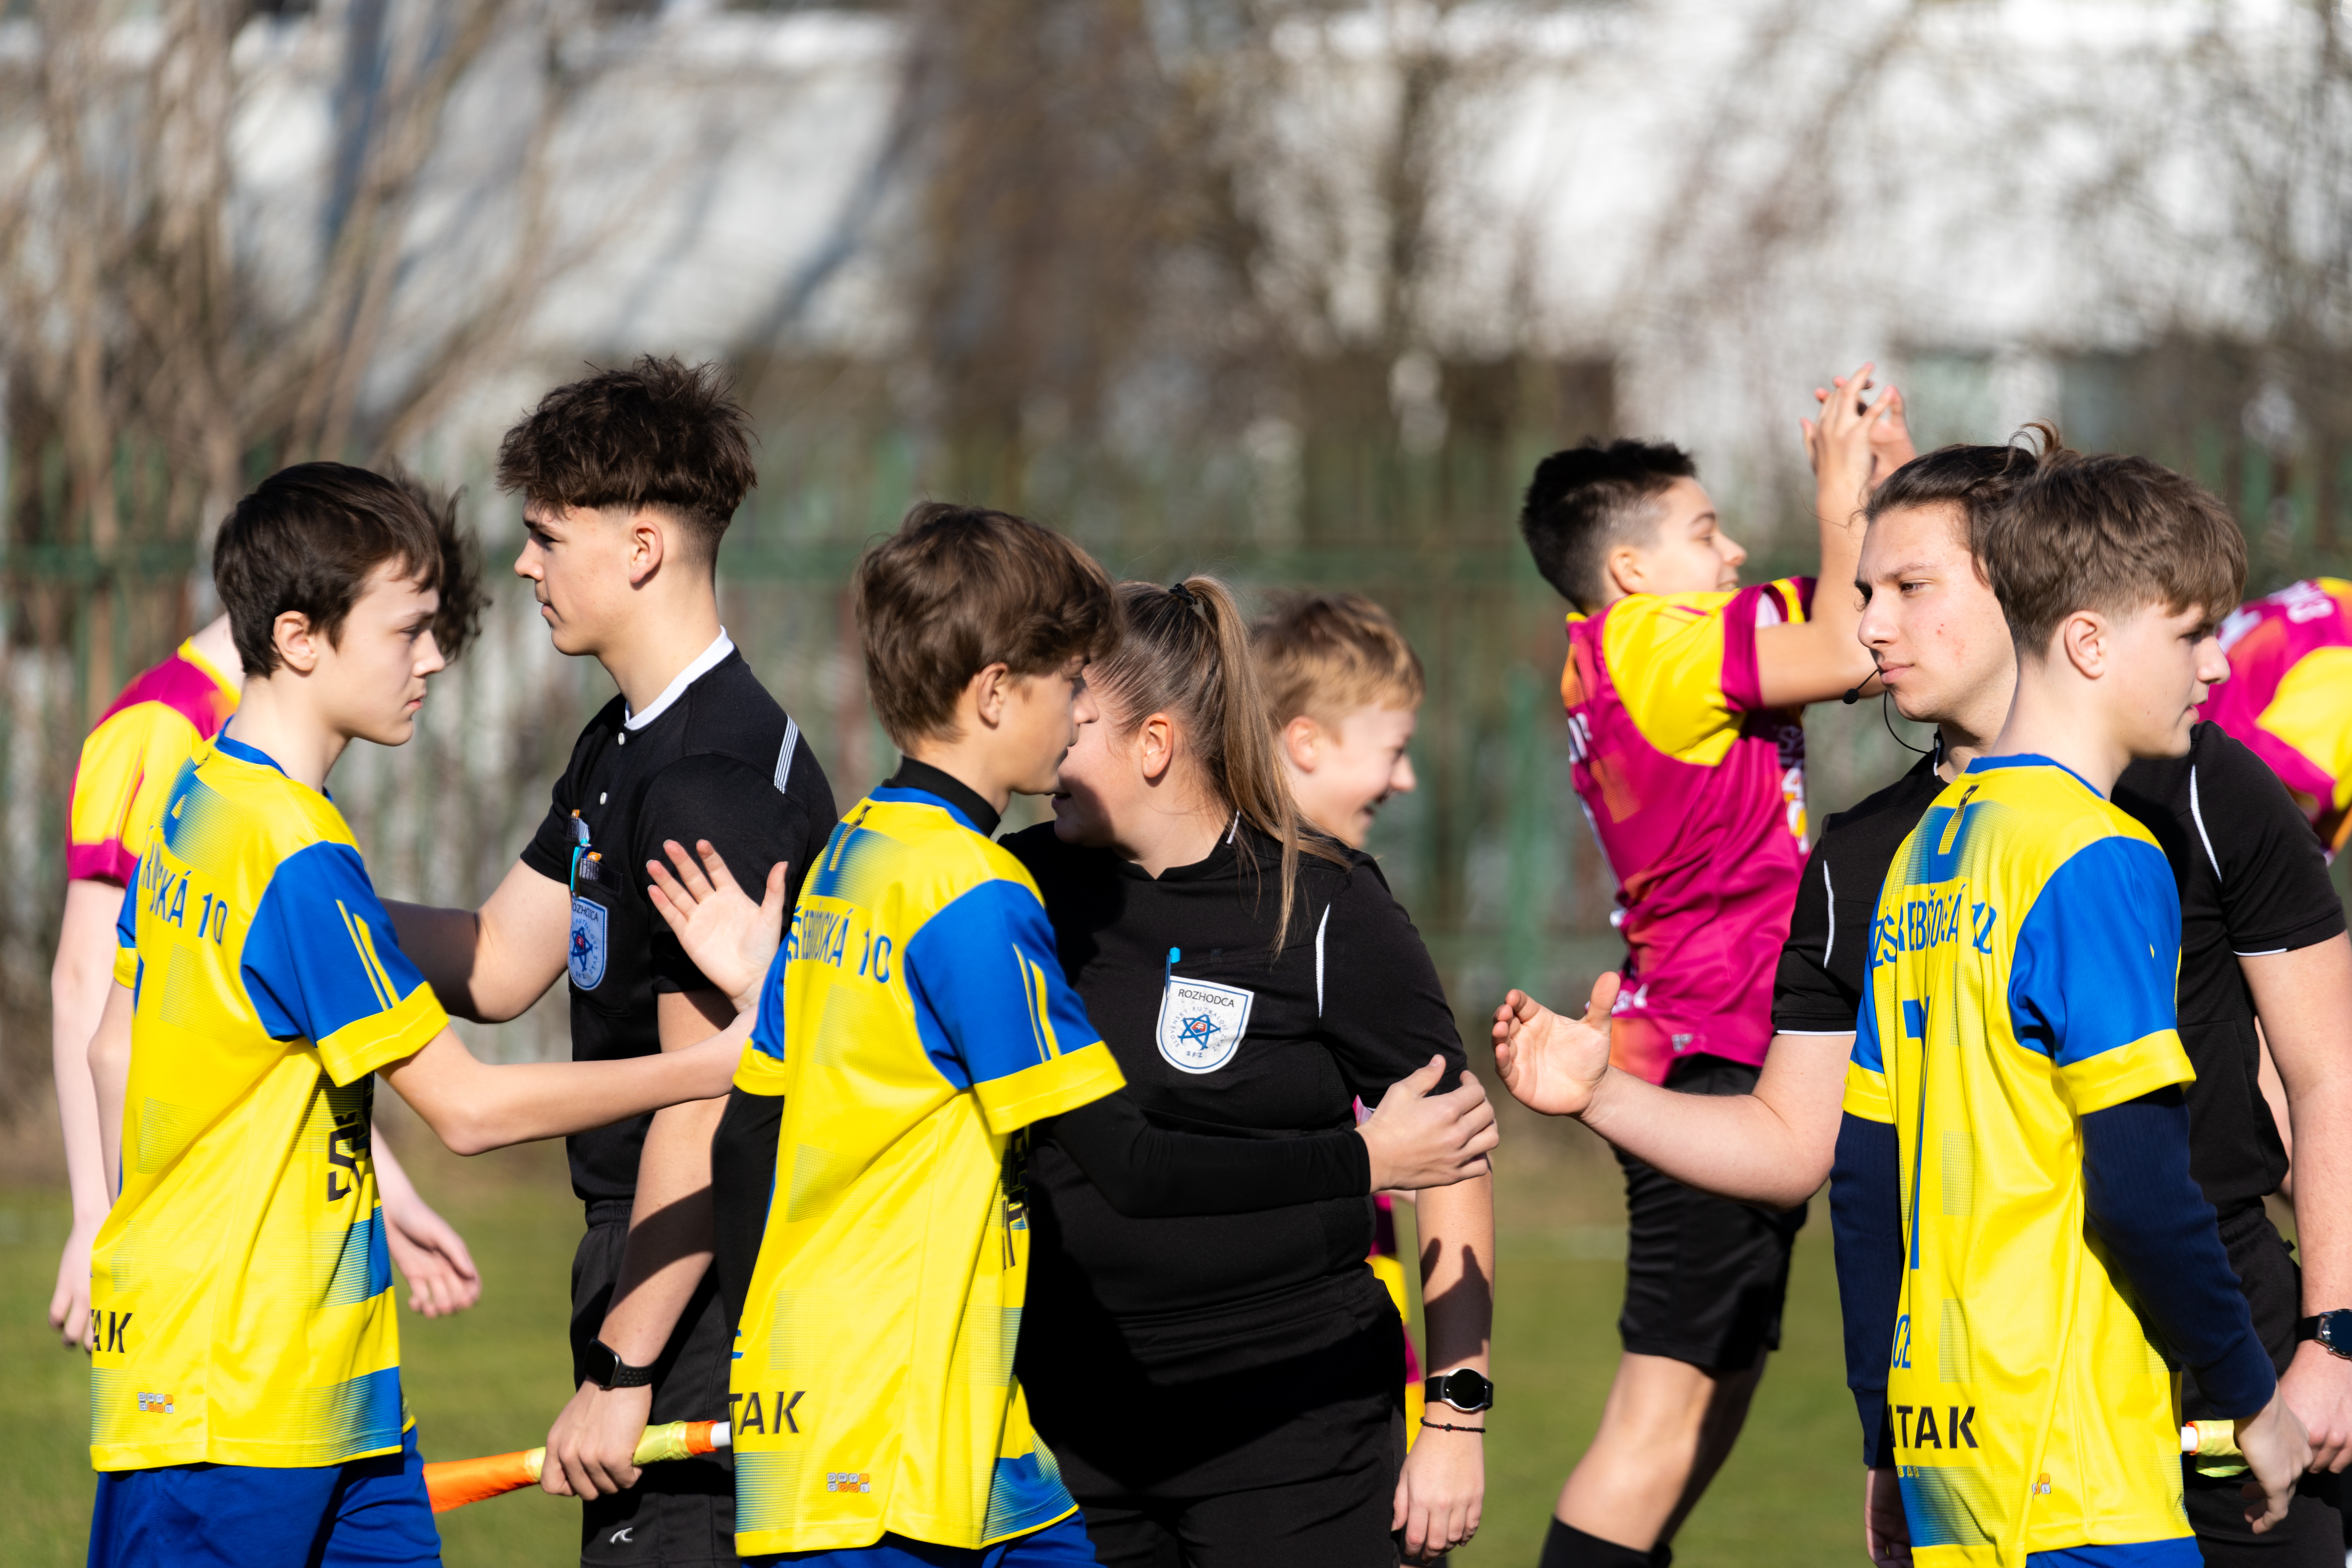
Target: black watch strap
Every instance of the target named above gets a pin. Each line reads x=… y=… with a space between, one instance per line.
x=1464 y=1388
x=607 y=1370
x=2332 y=1329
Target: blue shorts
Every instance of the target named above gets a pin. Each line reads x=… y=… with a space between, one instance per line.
x=2180 y=1552
x=1061 y=1544
x=369 y=1513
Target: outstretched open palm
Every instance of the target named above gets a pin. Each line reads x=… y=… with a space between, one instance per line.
x=1549 y=1063
x=730 y=939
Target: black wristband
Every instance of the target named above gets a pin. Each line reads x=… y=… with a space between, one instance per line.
x=1443 y=1426
x=606 y=1370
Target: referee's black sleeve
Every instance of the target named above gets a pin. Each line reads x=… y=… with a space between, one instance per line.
x=1149 y=1171
x=748 y=820
x=2275 y=892
x=1379 y=1001
x=549 y=853
x=1811 y=994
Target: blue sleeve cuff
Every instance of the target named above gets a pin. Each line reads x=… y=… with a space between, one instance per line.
x=1870 y=1405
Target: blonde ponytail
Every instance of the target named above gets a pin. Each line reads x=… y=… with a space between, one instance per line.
x=1186 y=653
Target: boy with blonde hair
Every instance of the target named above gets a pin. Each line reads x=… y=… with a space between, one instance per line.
x=1344 y=690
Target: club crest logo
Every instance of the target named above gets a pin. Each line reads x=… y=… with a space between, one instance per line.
x=1202 y=1024
x=586 y=955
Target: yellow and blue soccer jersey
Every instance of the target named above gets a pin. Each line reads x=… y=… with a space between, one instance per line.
x=241 y=1287
x=929 y=1024
x=2022 y=968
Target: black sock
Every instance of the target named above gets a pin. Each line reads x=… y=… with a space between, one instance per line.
x=1569 y=1547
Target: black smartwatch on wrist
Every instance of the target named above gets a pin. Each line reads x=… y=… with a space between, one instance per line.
x=606 y=1369
x=2332 y=1329
x=1467 y=1390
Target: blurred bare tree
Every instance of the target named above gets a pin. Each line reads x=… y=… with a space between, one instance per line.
x=162 y=328
x=1157 y=223
x=228 y=241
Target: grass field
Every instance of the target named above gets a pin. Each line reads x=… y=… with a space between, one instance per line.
x=491 y=1379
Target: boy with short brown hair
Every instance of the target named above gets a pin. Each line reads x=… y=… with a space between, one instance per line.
x=1344 y=688
x=2033 y=1282
x=876 y=1411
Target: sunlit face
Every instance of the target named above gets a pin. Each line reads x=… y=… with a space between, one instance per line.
x=1342 y=774
x=1102 y=781
x=1932 y=624
x=2165 y=661
x=1686 y=551
x=1043 y=716
x=370 y=677
x=577 y=560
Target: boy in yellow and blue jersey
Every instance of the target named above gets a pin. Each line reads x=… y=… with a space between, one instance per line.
x=245 y=1404
x=2012 y=1194
x=877 y=1415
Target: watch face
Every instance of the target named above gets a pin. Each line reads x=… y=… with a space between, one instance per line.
x=2336 y=1330
x=1464 y=1390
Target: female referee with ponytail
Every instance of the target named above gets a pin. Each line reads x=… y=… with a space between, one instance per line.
x=1222 y=1390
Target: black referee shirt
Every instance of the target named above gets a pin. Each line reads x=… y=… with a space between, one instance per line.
x=720 y=761
x=2252 y=880
x=1350 y=1006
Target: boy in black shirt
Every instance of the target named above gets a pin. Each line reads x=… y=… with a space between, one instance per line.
x=2262 y=932
x=629 y=478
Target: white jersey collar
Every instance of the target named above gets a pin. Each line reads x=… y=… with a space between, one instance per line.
x=702 y=666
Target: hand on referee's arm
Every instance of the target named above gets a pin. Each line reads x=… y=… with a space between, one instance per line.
x=1417 y=1138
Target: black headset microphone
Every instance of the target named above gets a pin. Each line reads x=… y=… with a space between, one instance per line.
x=1852 y=695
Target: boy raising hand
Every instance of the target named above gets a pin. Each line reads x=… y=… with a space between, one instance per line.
x=1683 y=693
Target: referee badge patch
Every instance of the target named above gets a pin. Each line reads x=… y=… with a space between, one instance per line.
x=1202 y=1024
x=586 y=956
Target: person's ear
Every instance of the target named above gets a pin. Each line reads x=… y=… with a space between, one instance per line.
x=649 y=546
x=1302 y=741
x=300 y=645
x=2087 y=641
x=1155 y=747
x=991 y=689
x=1627 y=569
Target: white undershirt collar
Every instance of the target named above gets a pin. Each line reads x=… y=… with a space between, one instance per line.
x=701 y=667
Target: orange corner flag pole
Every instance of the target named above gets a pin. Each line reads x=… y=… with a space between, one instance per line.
x=454 y=1483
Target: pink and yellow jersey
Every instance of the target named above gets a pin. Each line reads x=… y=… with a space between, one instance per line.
x=129 y=760
x=1697 y=792
x=2289 y=695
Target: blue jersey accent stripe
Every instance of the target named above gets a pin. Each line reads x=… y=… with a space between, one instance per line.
x=246 y=753
x=2032 y=759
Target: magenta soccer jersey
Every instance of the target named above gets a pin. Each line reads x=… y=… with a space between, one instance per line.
x=1697 y=792
x=2289 y=695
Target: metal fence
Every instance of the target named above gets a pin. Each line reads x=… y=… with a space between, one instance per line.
x=1490 y=854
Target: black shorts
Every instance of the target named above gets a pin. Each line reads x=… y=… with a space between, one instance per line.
x=681 y=1511
x=1705 y=1277
x=2313 y=1531
x=1268 y=1433
x=1333 y=1522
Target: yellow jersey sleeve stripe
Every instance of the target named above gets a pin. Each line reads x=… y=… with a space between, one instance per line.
x=357 y=931
x=2152 y=1062
x=1074 y=1079
x=1041 y=1022
x=359 y=1048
